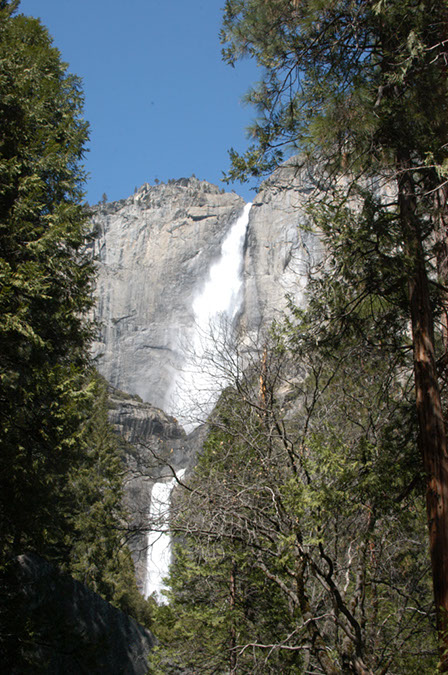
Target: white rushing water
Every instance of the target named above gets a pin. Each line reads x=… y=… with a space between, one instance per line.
x=158 y=539
x=197 y=387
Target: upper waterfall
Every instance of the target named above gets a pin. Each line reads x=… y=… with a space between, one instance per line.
x=221 y=294
x=201 y=378
x=151 y=250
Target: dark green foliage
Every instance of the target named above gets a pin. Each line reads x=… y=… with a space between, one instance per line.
x=349 y=82
x=98 y=554
x=60 y=467
x=45 y=287
x=223 y=615
x=310 y=482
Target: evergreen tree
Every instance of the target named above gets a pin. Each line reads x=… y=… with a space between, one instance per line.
x=60 y=469
x=46 y=286
x=363 y=86
x=223 y=615
x=99 y=556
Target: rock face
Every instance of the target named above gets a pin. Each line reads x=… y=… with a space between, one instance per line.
x=141 y=424
x=153 y=250
x=281 y=249
x=63 y=627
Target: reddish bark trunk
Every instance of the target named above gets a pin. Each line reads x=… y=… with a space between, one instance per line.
x=442 y=251
x=432 y=436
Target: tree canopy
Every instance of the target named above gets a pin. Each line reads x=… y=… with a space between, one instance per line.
x=362 y=87
x=353 y=81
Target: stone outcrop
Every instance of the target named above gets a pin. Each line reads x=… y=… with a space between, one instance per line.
x=153 y=251
x=142 y=424
x=155 y=446
x=281 y=248
x=63 y=627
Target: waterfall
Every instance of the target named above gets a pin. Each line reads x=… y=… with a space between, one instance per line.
x=196 y=388
x=201 y=380
x=158 y=539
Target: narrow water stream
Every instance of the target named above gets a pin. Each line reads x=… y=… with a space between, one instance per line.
x=158 y=539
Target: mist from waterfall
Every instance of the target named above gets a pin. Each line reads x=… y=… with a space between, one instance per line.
x=203 y=376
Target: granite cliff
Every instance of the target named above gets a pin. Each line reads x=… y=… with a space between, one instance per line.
x=154 y=251
x=281 y=248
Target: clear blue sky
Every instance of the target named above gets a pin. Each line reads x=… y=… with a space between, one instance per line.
x=160 y=102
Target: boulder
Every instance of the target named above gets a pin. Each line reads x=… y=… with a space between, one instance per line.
x=61 y=626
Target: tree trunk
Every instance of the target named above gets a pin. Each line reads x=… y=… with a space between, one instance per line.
x=233 y=659
x=432 y=436
x=441 y=231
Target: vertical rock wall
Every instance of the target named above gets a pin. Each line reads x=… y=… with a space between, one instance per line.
x=152 y=250
x=281 y=248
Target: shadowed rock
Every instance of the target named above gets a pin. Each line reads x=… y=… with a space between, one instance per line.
x=63 y=627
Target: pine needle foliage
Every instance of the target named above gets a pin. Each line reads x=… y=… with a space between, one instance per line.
x=361 y=88
x=60 y=468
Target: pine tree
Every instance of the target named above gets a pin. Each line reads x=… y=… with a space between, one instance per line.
x=99 y=556
x=222 y=614
x=46 y=286
x=363 y=87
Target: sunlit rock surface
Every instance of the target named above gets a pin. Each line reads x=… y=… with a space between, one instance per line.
x=281 y=247
x=153 y=250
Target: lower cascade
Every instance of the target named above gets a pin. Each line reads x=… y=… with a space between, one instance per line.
x=158 y=541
